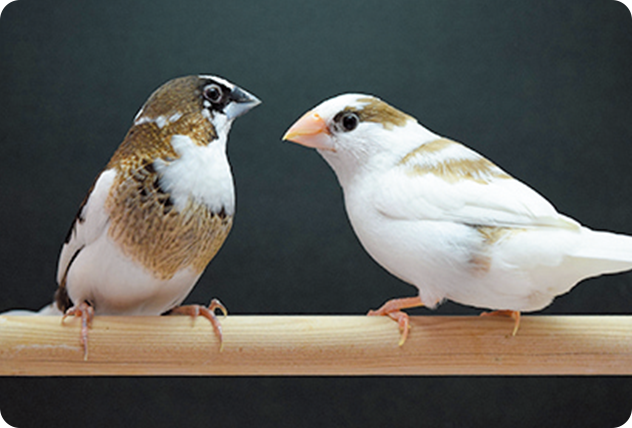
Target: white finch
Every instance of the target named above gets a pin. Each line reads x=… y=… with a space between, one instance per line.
x=159 y=211
x=440 y=216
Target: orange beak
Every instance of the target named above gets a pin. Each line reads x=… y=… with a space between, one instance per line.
x=310 y=130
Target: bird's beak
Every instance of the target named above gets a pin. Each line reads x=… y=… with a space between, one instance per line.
x=311 y=130
x=241 y=103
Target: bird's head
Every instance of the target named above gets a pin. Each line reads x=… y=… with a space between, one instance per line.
x=201 y=108
x=216 y=99
x=355 y=130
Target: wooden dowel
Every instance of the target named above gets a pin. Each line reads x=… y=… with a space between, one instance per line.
x=318 y=345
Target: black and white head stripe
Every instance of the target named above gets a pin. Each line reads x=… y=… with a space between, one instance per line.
x=220 y=95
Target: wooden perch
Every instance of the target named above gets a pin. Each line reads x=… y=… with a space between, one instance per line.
x=318 y=345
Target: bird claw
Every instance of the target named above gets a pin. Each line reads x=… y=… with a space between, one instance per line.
x=506 y=313
x=393 y=308
x=209 y=313
x=86 y=312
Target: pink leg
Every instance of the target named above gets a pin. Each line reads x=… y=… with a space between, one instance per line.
x=393 y=308
x=86 y=312
x=208 y=313
x=506 y=313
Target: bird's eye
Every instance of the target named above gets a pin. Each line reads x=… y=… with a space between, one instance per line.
x=349 y=121
x=213 y=93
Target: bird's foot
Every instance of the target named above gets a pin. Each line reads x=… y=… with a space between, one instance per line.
x=209 y=313
x=506 y=313
x=393 y=309
x=86 y=312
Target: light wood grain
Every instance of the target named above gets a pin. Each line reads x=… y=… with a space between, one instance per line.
x=318 y=345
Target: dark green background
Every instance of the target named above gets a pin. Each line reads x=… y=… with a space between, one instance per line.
x=543 y=88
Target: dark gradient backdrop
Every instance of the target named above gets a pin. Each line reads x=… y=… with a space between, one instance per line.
x=543 y=88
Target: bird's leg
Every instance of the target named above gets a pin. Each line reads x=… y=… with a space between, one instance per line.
x=507 y=313
x=208 y=313
x=86 y=312
x=393 y=309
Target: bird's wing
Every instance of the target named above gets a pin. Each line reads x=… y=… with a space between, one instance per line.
x=90 y=223
x=465 y=188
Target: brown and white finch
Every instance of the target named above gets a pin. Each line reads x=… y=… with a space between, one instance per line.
x=159 y=211
x=440 y=216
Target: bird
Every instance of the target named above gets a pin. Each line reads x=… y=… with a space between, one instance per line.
x=443 y=218
x=158 y=212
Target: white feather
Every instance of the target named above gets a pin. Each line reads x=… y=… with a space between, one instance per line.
x=101 y=273
x=48 y=310
x=200 y=172
x=497 y=202
x=94 y=223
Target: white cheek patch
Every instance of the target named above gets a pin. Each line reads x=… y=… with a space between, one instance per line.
x=220 y=122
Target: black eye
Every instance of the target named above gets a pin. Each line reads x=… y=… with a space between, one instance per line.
x=213 y=93
x=349 y=121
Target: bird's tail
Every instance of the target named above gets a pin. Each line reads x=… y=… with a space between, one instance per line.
x=610 y=252
x=50 y=309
